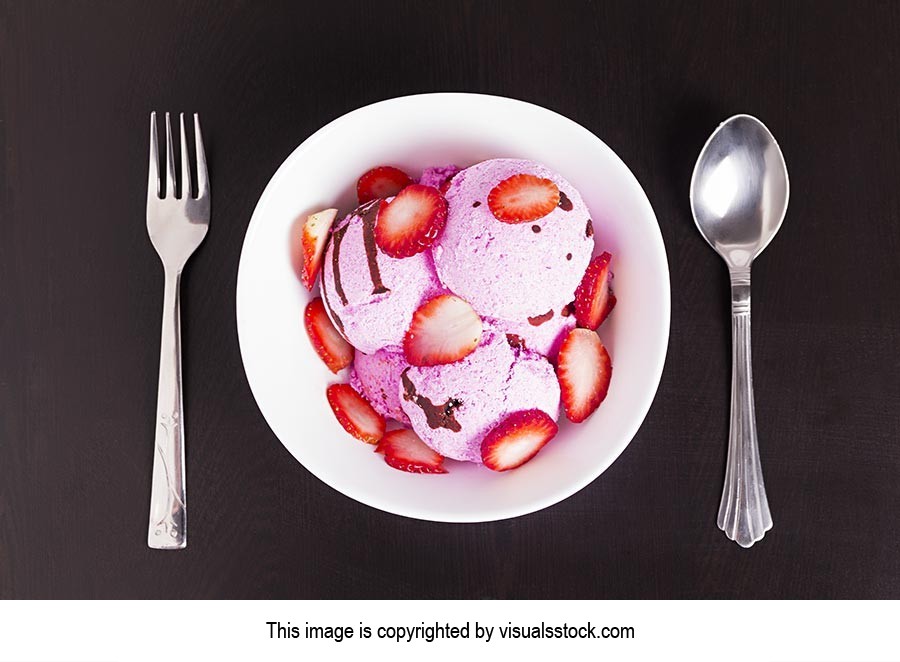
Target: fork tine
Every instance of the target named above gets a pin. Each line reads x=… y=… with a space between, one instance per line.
x=185 y=162
x=202 y=176
x=153 y=178
x=170 y=161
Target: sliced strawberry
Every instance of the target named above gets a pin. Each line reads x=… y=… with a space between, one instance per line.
x=312 y=239
x=517 y=439
x=444 y=329
x=381 y=182
x=330 y=345
x=445 y=185
x=403 y=450
x=584 y=370
x=411 y=221
x=594 y=298
x=355 y=413
x=523 y=198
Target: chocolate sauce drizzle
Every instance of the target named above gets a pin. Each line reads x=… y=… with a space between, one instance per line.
x=437 y=416
x=368 y=213
x=337 y=320
x=340 y=324
x=537 y=320
x=589 y=230
x=515 y=341
x=368 y=221
x=336 y=238
x=564 y=203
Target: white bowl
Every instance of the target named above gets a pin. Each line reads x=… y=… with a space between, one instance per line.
x=288 y=380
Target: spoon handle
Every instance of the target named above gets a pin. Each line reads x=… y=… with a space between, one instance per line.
x=744 y=511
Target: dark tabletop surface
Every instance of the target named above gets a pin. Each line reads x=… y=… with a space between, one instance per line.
x=81 y=292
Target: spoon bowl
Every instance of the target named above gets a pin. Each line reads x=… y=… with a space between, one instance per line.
x=739 y=190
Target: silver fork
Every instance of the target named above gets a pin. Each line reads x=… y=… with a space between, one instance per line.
x=176 y=226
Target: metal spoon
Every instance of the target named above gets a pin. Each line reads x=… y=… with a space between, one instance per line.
x=739 y=195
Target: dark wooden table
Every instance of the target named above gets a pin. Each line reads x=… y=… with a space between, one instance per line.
x=81 y=290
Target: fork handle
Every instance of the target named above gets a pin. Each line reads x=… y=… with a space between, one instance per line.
x=168 y=512
x=744 y=511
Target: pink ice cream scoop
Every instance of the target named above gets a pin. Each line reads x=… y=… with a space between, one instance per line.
x=437 y=175
x=371 y=297
x=377 y=377
x=512 y=271
x=453 y=406
x=543 y=334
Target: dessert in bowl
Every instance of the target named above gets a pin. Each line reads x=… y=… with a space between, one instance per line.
x=461 y=326
x=452 y=304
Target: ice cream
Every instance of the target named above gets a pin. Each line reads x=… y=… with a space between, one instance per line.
x=543 y=333
x=377 y=377
x=456 y=291
x=438 y=176
x=452 y=407
x=512 y=271
x=371 y=297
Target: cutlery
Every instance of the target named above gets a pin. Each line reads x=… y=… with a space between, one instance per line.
x=739 y=196
x=177 y=225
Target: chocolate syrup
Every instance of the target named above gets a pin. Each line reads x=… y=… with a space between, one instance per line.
x=437 y=416
x=336 y=238
x=368 y=221
x=337 y=320
x=340 y=324
x=540 y=319
x=515 y=341
x=564 y=203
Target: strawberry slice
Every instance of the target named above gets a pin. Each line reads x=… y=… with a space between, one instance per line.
x=523 y=198
x=313 y=238
x=355 y=413
x=404 y=450
x=444 y=329
x=411 y=221
x=517 y=439
x=584 y=370
x=330 y=345
x=445 y=185
x=381 y=182
x=594 y=298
